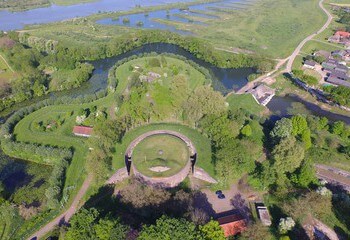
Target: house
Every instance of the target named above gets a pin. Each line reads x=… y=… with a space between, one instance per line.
x=330 y=64
x=82 y=131
x=338 y=74
x=262 y=94
x=309 y=64
x=342 y=54
x=340 y=37
x=339 y=82
x=232 y=224
x=264 y=215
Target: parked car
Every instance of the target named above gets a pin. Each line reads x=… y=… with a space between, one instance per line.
x=221 y=196
x=218 y=192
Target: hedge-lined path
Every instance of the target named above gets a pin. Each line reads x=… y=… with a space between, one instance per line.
x=64 y=217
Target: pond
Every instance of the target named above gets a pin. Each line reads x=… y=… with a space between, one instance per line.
x=17 y=20
x=14 y=173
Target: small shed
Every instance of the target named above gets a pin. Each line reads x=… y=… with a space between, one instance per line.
x=82 y=131
x=264 y=215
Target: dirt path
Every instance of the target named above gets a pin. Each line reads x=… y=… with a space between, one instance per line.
x=8 y=65
x=301 y=45
x=64 y=217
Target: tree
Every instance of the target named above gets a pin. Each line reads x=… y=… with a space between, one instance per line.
x=338 y=128
x=204 y=101
x=233 y=159
x=305 y=175
x=108 y=229
x=81 y=225
x=246 y=131
x=287 y=155
x=212 y=231
x=306 y=138
x=322 y=123
x=140 y=195
x=299 y=124
x=285 y=225
x=170 y=228
x=220 y=129
x=282 y=129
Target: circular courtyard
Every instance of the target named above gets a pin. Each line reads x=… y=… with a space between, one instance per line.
x=160 y=155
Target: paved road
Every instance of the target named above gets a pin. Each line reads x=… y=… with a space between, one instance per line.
x=301 y=45
x=334 y=175
x=64 y=217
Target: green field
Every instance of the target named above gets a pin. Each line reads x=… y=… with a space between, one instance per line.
x=268 y=27
x=201 y=143
x=160 y=151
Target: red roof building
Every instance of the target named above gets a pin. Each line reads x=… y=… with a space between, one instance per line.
x=342 y=34
x=232 y=224
x=82 y=131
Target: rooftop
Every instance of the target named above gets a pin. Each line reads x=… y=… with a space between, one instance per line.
x=82 y=131
x=232 y=224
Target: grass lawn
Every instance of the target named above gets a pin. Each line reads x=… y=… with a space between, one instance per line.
x=246 y=102
x=160 y=151
x=201 y=143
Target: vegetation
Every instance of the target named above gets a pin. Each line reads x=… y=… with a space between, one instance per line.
x=234 y=141
x=36 y=71
x=339 y=94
